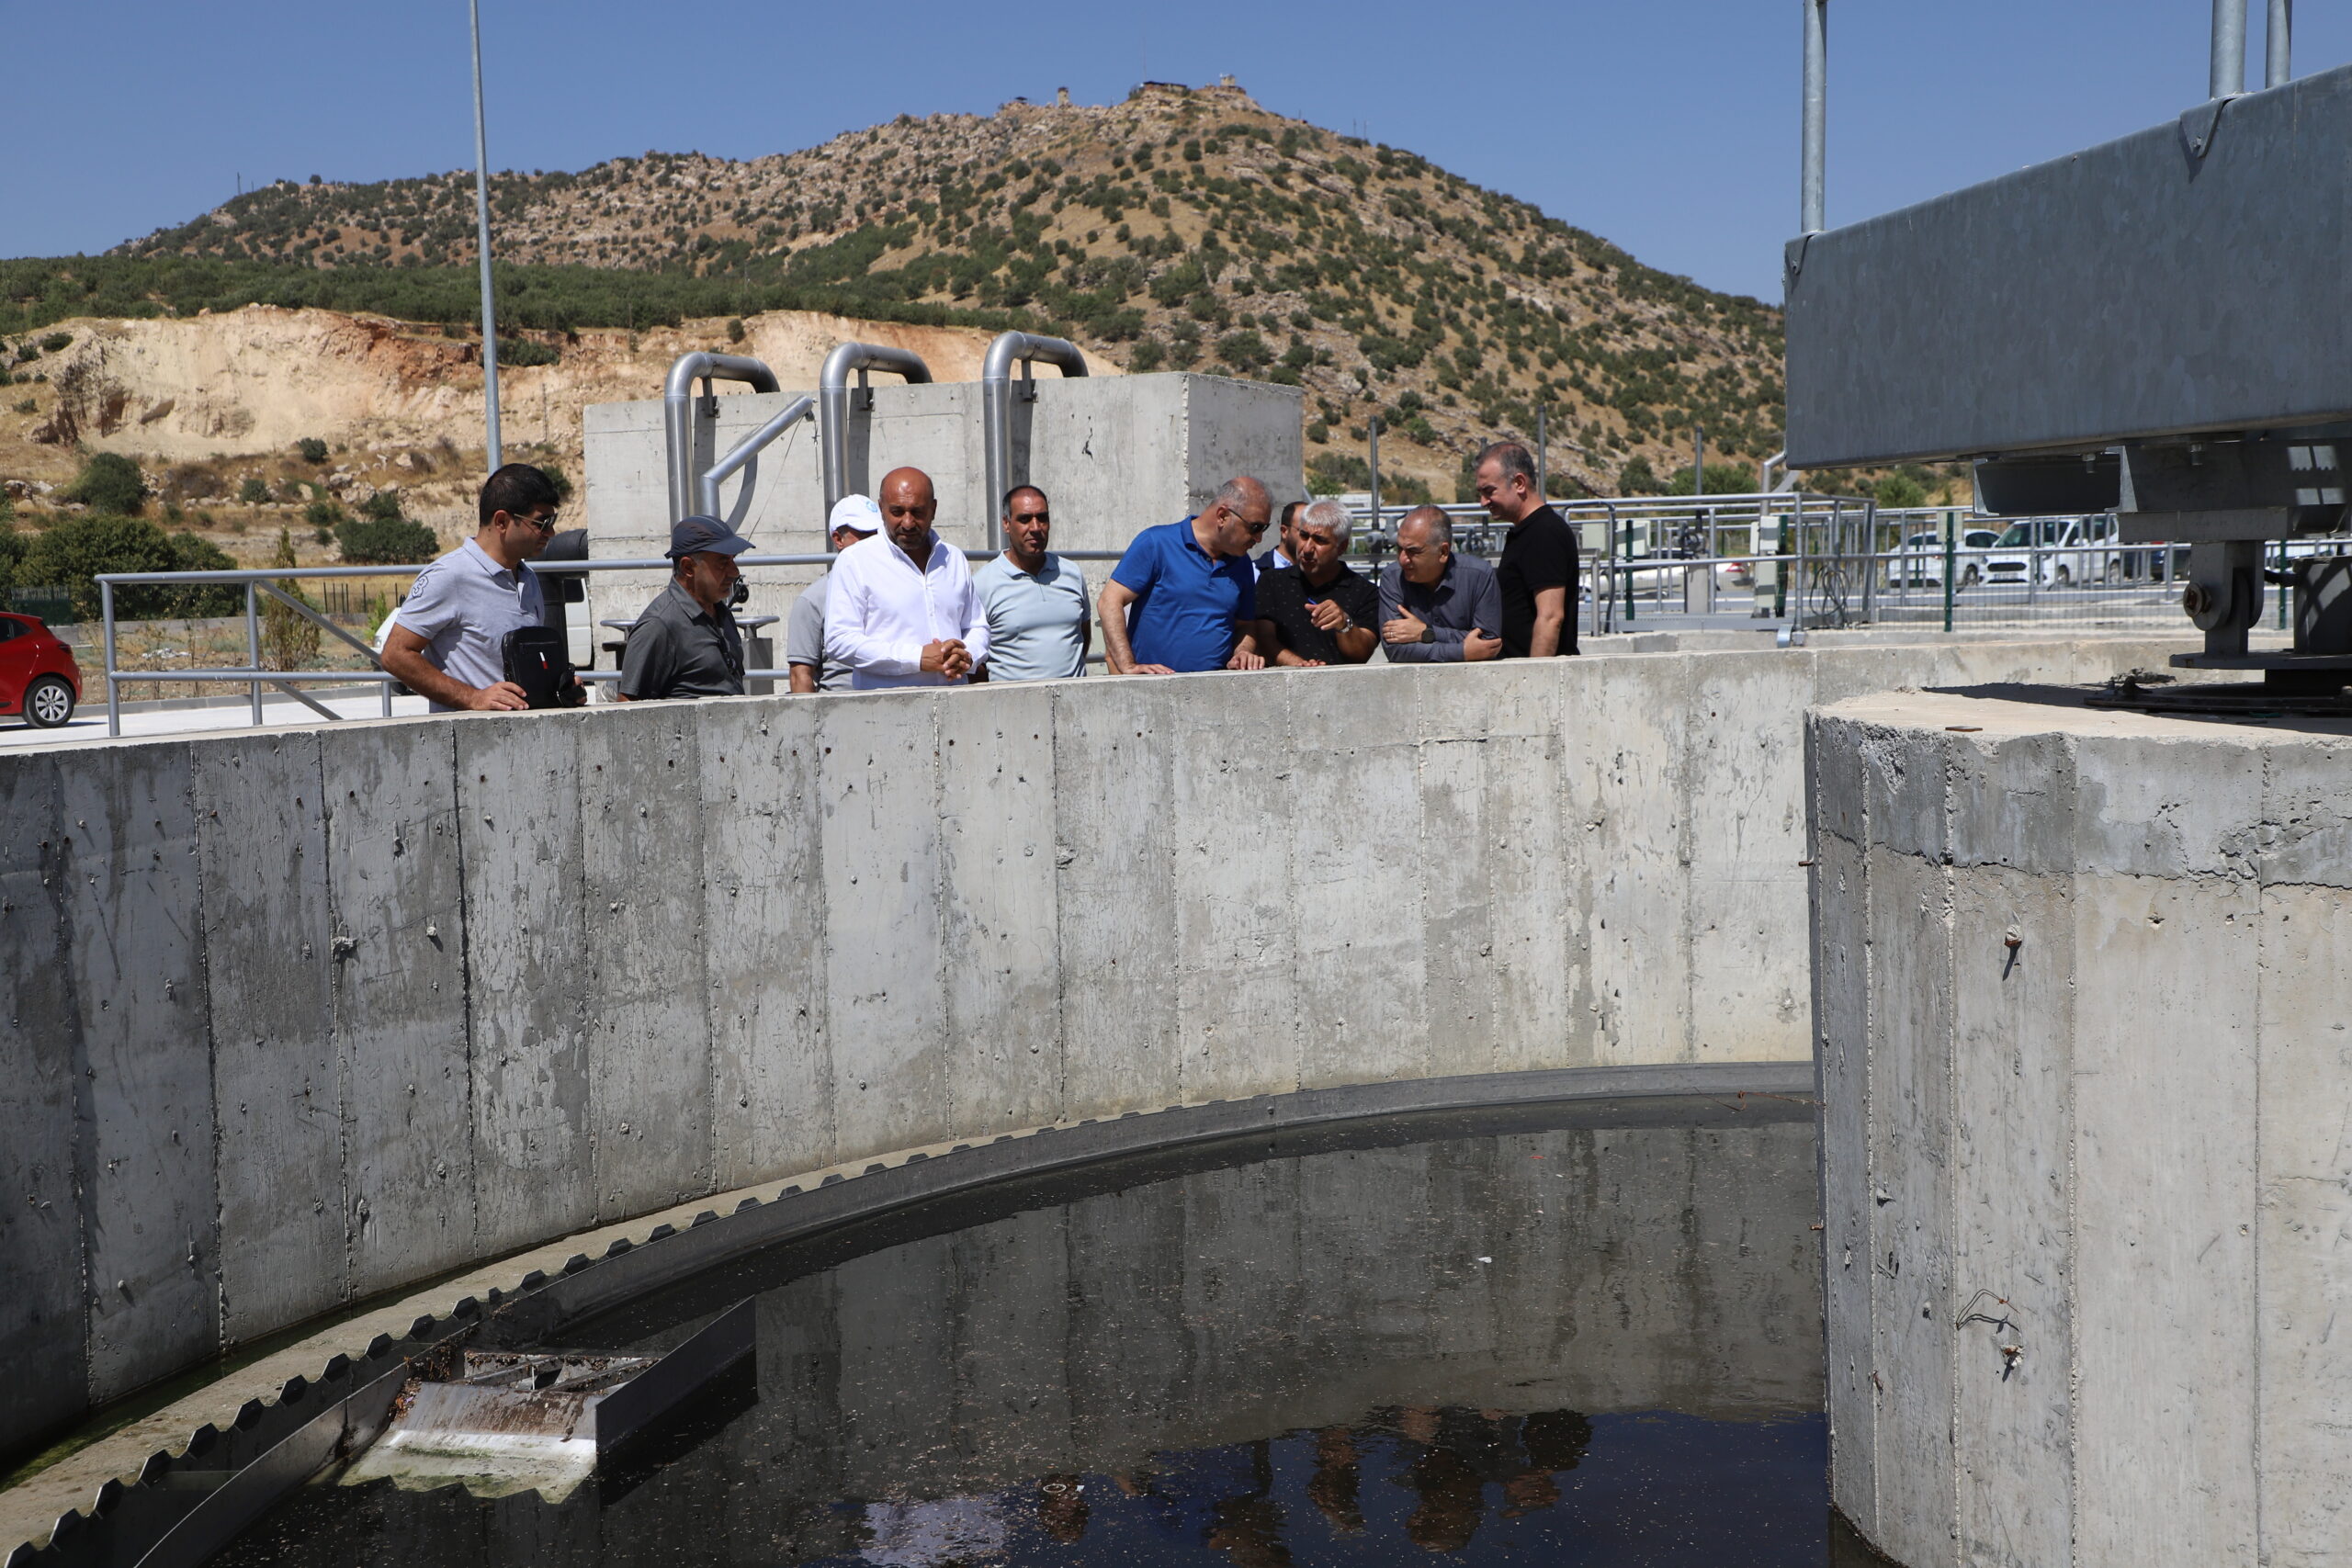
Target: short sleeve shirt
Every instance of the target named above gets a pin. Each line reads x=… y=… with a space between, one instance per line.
x=1540 y=552
x=677 y=648
x=1037 y=620
x=463 y=605
x=1285 y=598
x=1186 y=604
x=804 y=637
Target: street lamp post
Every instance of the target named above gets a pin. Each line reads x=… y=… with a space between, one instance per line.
x=482 y=245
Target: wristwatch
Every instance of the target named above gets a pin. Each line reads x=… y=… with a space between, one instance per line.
x=1429 y=633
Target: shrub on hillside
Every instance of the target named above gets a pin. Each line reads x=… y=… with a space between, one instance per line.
x=290 y=639
x=310 y=450
x=385 y=541
x=56 y=342
x=1895 y=490
x=12 y=547
x=255 y=492
x=325 y=513
x=523 y=353
x=77 y=549
x=1637 y=478
x=109 y=482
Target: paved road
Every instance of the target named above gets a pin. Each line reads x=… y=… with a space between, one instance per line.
x=89 y=722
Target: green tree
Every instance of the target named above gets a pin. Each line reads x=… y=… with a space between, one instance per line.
x=310 y=450
x=255 y=492
x=1636 y=477
x=109 y=482
x=12 y=548
x=289 y=641
x=1722 y=479
x=75 y=552
x=1899 y=491
x=385 y=541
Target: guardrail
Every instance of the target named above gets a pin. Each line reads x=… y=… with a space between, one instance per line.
x=260 y=583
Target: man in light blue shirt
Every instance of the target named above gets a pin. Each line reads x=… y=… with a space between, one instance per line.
x=1036 y=602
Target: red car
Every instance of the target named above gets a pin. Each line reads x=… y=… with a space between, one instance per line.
x=38 y=675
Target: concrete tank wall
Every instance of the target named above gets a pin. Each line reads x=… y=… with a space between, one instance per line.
x=1118 y=453
x=295 y=1017
x=2083 y=984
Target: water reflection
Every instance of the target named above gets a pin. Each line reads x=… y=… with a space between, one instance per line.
x=1599 y=1343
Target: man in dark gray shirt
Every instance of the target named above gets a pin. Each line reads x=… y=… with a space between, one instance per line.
x=686 y=644
x=1436 y=606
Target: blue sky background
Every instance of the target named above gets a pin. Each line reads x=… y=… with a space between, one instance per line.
x=1667 y=126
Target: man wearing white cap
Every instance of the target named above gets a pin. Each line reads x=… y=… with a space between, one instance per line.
x=855 y=517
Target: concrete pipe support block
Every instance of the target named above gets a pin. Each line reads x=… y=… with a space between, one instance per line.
x=2084 y=1026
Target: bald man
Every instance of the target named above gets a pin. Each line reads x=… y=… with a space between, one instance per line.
x=1184 y=597
x=902 y=610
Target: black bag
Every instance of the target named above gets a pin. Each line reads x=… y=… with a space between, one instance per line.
x=535 y=660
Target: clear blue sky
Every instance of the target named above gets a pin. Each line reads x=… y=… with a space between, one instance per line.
x=1667 y=126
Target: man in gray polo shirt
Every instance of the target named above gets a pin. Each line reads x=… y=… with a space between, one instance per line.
x=1038 y=628
x=448 y=644
x=686 y=644
x=855 y=517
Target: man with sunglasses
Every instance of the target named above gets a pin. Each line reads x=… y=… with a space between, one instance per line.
x=448 y=643
x=1184 y=597
x=1036 y=600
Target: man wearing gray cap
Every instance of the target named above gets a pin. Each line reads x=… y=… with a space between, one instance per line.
x=686 y=643
x=855 y=517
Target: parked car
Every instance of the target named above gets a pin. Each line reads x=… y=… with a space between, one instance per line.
x=38 y=676
x=2065 y=552
x=1921 y=562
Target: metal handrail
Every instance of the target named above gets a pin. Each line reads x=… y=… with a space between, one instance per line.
x=258 y=580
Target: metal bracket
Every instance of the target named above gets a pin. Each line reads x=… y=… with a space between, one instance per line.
x=2198 y=126
x=1792 y=257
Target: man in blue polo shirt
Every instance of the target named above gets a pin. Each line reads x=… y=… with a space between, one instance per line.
x=1184 y=597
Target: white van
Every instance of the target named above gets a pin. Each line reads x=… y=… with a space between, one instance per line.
x=2066 y=552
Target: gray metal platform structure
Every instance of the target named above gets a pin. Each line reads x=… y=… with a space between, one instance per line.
x=2160 y=326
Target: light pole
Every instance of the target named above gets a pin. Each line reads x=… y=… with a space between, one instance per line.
x=482 y=243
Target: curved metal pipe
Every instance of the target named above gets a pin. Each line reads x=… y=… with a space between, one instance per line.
x=834 y=399
x=745 y=454
x=680 y=409
x=995 y=409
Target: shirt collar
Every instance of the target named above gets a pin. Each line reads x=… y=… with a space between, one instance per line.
x=482 y=561
x=929 y=556
x=692 y=607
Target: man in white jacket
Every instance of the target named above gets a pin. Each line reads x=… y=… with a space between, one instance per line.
x=902 y=610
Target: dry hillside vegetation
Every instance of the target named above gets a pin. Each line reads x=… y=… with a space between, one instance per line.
x=1186 y=227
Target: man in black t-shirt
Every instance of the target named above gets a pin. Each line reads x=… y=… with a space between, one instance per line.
x=1324 y=611
x=1538 y=573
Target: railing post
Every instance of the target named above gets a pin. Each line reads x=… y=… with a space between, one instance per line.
x=114 y=696
x=252 y=644
x=1951 y=561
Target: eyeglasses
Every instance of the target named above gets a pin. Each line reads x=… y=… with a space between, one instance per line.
x=544 y=525
x=1254 y=529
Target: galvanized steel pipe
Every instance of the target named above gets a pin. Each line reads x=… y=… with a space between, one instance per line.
x=832 y=398
x=2228 y=49
x=746 y=450
x=2279 y=44
x=995 y=409
x=1812 y=195
x=678 y=414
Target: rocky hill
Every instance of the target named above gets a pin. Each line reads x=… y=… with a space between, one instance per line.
x=1182 y=227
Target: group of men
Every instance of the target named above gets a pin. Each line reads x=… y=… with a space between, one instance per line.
x=900 y=606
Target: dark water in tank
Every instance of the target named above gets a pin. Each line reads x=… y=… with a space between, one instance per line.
x=1588 y=1336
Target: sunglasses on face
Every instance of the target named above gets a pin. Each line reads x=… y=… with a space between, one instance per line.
x=544 y=525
